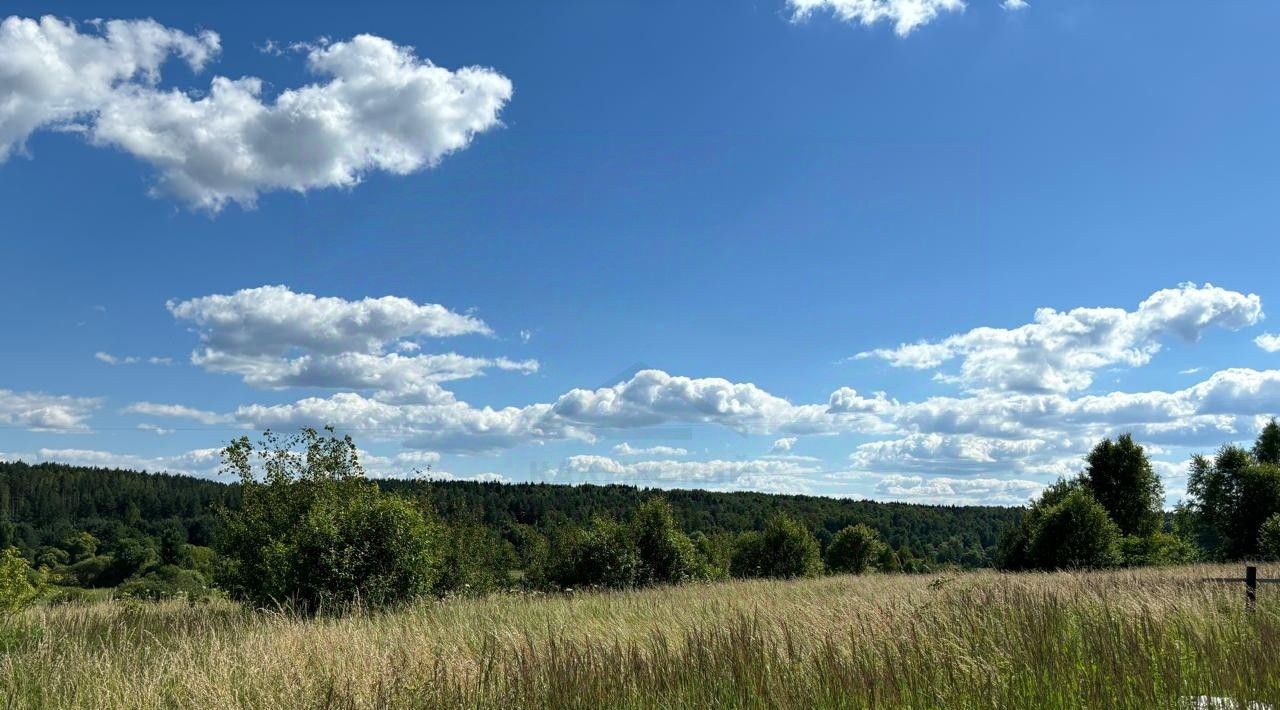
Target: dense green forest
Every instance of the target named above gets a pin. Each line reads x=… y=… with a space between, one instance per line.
x=154 y=535
x=962 y=535
x=304 y=523
x=42 y=505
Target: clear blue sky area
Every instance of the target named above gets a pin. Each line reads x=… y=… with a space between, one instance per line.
x=926 y=251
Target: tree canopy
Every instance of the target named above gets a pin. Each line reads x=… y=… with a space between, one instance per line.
x=312 y=532
x=1267 y=448
x=1120 y=478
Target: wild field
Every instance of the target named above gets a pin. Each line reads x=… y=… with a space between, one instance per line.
x=1141 y=639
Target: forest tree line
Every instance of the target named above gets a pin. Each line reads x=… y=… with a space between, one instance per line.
x=305 y=527
x=158 y=535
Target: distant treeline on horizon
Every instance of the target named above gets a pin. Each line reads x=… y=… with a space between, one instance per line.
x=42 y=504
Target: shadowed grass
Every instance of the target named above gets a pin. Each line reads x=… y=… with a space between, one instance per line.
x=1139 y=638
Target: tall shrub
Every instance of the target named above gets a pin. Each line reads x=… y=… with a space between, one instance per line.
x=854 y=548
x=19 y=584
x=312 y=532
x=1075 y=533
x=667 y=556
x=783 y=549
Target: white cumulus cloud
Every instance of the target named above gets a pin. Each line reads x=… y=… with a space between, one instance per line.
x=905 y=15
x=933 y=451
x=401 y=465
x=37 y=411
x=272 y=320
x=992 y=429
x=275 y=338
x=54 y=74
x=754 y=474
x=375 y=107
x=456 y=426
x=1269 y=342
x=657 y=471
x=958 y=491
x=1061 y=351
x=655 y=397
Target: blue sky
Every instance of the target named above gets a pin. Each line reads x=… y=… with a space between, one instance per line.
x=643 y=243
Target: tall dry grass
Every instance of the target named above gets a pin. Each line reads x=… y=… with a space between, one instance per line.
x=1125 y=639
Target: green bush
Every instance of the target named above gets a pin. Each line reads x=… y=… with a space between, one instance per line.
x=1157 y=549
x=1014 y=551
x=315 y=534
x=1267 y=447
x=908 y=562
x=1231 y=495
x=888 y=560
x=19 y=584
x=129 y=556
x=1075 y=533
x=715 y=551
x=855 y=547
x=89 y=572
x=667 y=556
x=532 y=552
x=203 y=560
x=475 y=560
x=600 y=555
x=80 y=546
x=167 y=582
x=1269 y=538
x=51 y=557
x=784 y=549
x=172 y=544
x=72 y=595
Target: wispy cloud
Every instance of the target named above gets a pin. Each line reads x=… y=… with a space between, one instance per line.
x=110 y=359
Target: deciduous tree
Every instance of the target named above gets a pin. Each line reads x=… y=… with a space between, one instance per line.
x=314 y=533
x=1120 y=478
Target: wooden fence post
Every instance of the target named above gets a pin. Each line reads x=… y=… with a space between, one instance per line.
x=1251 y=587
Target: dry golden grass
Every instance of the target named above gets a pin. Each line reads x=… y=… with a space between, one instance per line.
x=1140 y=638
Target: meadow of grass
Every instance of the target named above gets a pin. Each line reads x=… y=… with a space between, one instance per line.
x=1141 y=638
